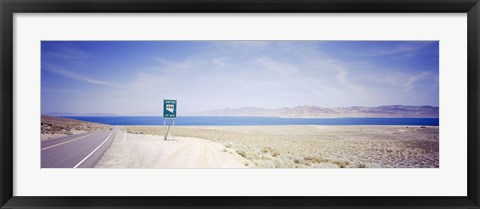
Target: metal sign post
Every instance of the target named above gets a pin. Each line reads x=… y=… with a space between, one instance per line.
x=169 y=113
x=167 y=128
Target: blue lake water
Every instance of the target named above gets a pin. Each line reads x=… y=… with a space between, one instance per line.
x=248 y=121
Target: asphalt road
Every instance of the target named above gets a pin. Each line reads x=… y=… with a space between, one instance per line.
x=76 y=151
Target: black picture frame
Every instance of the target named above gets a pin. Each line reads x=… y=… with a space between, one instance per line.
x=10 y=7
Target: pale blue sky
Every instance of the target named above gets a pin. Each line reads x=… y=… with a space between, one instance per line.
x=125 y=77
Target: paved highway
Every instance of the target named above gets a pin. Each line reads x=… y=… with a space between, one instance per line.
x=76 y=151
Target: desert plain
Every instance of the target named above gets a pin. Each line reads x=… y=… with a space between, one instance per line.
x=280 y=146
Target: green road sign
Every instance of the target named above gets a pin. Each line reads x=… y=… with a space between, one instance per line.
x=169 y=108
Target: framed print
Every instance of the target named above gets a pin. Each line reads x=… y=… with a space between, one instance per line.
x=161 y=104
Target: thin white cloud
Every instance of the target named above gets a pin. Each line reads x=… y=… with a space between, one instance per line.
x=186 y=65
x=275 y=67
x=67 y=53
x=410 y=81
x=219 y=62
x=324 y=65
x=342 y=77
x=76 y=76
x=404 y=48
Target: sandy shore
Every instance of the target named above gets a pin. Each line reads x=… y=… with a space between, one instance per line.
x=285 y=146
x=150 y=151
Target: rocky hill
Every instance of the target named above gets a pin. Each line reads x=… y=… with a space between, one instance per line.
x=64 y=126
x=308 y=111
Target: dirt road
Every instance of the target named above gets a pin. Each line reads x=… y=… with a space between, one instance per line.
x=149 y=151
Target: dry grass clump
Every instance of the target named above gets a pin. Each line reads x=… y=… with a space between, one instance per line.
x=54 y=125
x=241 y=153
x=321 y=146
x=135 y=132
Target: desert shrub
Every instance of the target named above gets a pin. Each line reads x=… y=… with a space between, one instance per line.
x=275 y=154
x=312 y=159
x=361 y=165
x=242 y=153
x=270 y=150
x=266 y=149
x=342 y=164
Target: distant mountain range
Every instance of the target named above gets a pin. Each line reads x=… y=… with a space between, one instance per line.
x=303 y=111
x=308 y=111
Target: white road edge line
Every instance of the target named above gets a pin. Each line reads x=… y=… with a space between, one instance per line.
x=65 y=142
x=91 y=153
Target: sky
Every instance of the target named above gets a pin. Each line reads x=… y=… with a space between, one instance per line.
x=133 y=77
